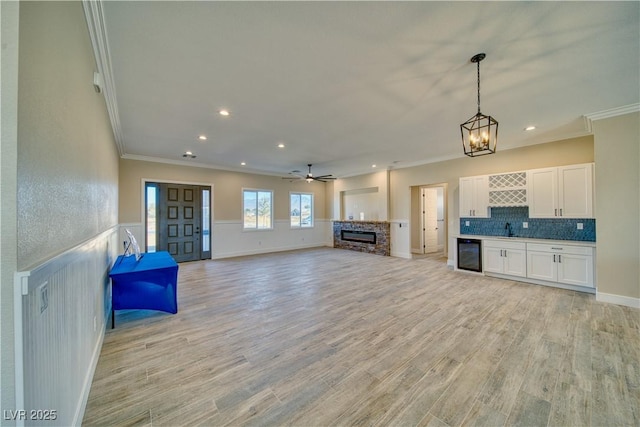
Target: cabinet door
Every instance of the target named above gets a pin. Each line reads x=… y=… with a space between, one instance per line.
x=467 y=190
x=575 y=191
x=543 y=193
x=515 y=262
x=474 y=196
x=542 y=266
x=481 y=208
x=575 y=269
x=493 y=260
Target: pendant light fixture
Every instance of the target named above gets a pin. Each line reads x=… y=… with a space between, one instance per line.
x=480 y=132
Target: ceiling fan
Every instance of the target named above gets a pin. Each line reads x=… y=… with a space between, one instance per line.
x=309 y=177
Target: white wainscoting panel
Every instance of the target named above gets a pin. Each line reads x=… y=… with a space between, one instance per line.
x=137 y=229
x=230 y=240
x=400 y=238
x=61 y=309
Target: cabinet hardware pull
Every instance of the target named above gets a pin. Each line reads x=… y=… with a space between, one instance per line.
x=555 y=212
x=560 y=211
x=560 y=258
x=554 y=258
x=556 y=249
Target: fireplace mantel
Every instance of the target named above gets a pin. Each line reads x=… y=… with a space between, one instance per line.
x=382 y=230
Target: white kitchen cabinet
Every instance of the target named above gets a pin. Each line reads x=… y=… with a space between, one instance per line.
x=474 y=197
x=505 y=257
x=571 y=265
x=565 y=191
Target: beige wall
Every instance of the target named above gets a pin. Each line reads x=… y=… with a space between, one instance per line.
x=59 y=159
x=570 y=151
x=67 y=159
x=617 y=171
x=379 y=203
x=227 y=189
x=9 y=12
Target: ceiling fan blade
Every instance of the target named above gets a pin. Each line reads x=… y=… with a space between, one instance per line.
x=325 y=176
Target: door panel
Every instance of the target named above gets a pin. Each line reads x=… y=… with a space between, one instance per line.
x=430 y=211
x=179 y=221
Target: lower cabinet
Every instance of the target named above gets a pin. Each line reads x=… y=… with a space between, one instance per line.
x=505 y=257
x=560 y=265
x=571 y=265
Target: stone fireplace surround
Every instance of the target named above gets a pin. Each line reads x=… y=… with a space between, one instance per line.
x=381 y=228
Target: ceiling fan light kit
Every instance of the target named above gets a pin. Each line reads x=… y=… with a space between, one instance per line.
x=480 y=132
x=309 y=177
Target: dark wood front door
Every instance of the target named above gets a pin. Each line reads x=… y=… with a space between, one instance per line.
x=179 y=218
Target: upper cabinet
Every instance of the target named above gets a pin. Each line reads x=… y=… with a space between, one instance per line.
x=561 y=192
x=474 y=197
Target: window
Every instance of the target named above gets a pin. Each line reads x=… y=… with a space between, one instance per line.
x=301 y=210
x=257 y=209
x=151 y=200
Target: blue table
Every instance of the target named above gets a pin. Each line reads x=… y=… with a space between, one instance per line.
x=149 y=283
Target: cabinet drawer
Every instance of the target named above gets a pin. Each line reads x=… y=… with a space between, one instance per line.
x=504 y=244
x=564 y=249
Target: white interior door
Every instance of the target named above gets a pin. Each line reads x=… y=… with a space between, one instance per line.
x=430 y=219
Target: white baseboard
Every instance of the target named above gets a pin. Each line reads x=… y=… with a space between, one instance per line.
x=265 y=251
x=618 y=299
x=86 y=389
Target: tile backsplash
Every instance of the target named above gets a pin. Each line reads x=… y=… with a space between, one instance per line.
x=539 y=228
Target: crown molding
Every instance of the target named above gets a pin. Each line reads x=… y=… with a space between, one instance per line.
x=612 y=112
x=94 y=16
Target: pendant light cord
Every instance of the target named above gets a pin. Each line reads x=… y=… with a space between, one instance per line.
x=478 y=87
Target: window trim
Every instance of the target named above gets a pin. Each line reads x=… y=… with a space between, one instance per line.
x=313 y=219
x=271 y=213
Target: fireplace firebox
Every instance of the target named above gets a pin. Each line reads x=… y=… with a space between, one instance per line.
x=358 y=236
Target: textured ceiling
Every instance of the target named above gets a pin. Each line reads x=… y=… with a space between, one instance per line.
x=345 y=85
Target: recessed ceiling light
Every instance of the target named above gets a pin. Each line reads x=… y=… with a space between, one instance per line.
x=281 y=145
x=224 y=112
x=202 y=137
x=243 y=164
x=374 y=166
x=528 y=128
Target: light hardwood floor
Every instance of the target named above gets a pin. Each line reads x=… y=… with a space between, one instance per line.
x=332 y=337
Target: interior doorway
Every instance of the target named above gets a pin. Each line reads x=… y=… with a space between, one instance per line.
x=429 y=219
x=432 y=219
x=178 y=220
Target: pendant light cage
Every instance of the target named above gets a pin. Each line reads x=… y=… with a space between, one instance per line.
x=480 y=132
